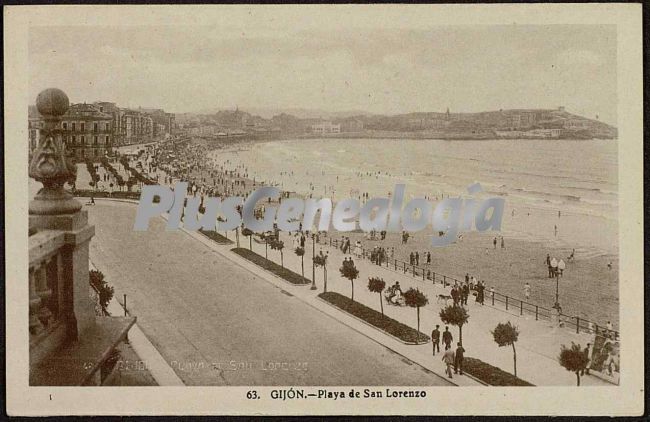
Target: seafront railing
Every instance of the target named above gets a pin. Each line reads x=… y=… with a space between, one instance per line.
x=510 y=303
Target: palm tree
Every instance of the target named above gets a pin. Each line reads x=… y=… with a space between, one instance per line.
x=349 y=271
x=377 y=285
x=415 y=299
x=455 y=315
x=573 y=359
x=507 y=335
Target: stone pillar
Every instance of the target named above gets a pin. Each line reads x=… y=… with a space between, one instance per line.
x=53 y=208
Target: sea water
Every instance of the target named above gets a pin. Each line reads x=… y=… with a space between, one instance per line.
x=537 y=178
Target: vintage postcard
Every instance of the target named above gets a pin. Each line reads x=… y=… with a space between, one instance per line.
x=324 y=210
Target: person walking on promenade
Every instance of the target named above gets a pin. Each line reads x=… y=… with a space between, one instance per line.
x=466 y=277
x=465 y=293
x=454 y=295
x=428 y=258
x=548 y=264
x=417 y=258
x=458 y=359
x=448 y=358
x=447 y=338
x=480 y=295
x=435 y=339
x=411 y=258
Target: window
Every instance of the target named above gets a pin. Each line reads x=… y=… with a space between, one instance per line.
x=83 y=140
x=95 y=127
x=107 y=126
x=74 y=126
x=95 y=140
x=74 y=140
x=65 y=125
x=83 y=127
x=106 y=140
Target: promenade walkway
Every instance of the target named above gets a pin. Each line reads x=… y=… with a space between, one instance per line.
x=539 y=341
x=218 y=323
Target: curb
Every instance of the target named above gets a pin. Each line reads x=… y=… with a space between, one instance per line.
x=157 y=366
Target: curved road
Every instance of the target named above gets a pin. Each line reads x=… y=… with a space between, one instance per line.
x=217 y=323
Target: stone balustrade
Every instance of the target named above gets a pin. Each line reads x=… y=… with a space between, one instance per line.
x=68 y=344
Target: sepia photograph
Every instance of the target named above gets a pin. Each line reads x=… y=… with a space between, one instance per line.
x=326 y=209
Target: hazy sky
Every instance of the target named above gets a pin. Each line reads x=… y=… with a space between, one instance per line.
x=380 y=70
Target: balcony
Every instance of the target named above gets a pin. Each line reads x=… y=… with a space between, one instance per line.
x=69 y=344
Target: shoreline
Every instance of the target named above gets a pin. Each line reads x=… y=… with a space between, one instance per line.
x=518 y=226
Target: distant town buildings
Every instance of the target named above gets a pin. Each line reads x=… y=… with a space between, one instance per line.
x=93 y=130
x=325 y=128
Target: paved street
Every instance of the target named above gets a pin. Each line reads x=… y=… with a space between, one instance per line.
x=217 y=323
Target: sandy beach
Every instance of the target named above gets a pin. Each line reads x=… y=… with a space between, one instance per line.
x=588 y=288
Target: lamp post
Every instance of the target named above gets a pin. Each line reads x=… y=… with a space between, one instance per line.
x=313 y=264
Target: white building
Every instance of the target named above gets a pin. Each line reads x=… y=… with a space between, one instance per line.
x=326 y=127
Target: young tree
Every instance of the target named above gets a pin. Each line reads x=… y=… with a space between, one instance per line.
x=278 y=245
x=455 y=315
x=301 y=253
x=320 y=260
x=97 y=280
x=573 y=359
x=507 y=335
x=377 y=285
x=248 y=232
x=349 y=271
x=415 y=299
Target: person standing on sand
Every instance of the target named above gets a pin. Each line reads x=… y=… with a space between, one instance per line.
x=494 y=242
x=553 y=267
x=555 y=230
x=428 y=258
x=503 y=245
x=561 y=266
x=527 y=291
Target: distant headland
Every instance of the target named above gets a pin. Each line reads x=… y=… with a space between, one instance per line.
x=502 y=124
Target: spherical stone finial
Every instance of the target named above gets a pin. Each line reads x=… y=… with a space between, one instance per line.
x=52 y=102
